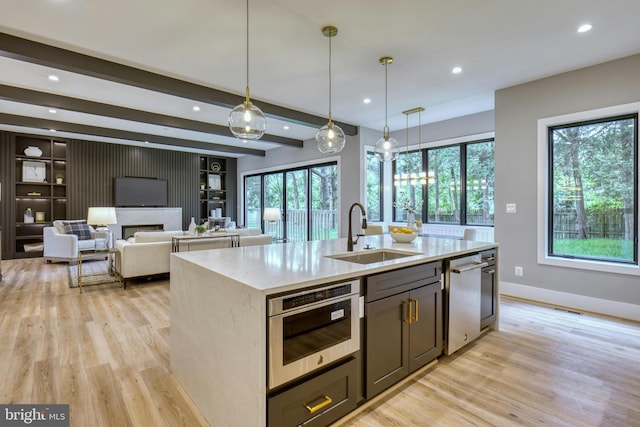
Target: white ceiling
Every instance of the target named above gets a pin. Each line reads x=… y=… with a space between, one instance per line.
x=498 y=43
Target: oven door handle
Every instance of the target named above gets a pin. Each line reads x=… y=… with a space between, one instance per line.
x=326 y=401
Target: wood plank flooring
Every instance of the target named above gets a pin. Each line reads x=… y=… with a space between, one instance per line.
x=106 y=353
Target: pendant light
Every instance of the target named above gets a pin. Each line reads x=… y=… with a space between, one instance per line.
x=247 y=121
x=386 y=148
x=412 y=178
x=330 y=138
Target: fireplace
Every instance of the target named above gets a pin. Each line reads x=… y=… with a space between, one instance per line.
x=141 y=219
x=129 y=230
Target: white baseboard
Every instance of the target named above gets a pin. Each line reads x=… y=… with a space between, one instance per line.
x=622 y=310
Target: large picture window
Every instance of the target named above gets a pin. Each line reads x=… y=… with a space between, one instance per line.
x=452 y=184
x=374 y=188
x=593 y=190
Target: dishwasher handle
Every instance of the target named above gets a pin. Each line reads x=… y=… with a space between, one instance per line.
x=468 y=267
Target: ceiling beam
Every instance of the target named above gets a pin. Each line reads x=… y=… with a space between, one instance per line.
x=36 y=122
x=28 y=96
x=38 y=53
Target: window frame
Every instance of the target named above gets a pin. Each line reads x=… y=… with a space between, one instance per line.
x=544 y=191
x=463 y=179
x=368 y=154
x=283 y=172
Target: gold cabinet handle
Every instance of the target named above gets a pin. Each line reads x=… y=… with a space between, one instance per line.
x=326 y=401
x=416 y=301
x=410 y=316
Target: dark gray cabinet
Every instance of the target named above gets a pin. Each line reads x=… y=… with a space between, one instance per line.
x=318 y=401
x=403 y=324
x=488 y=291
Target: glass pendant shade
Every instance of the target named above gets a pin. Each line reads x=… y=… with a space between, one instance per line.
x=247 y=121
x=330 y=139
x=386 y=149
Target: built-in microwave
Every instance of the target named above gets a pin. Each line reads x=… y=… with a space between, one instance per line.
x=307 y=330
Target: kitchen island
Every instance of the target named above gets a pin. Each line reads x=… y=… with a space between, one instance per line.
x=219 y=311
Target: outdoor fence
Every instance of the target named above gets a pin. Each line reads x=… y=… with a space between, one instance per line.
x=324 y=224
x=605 y=224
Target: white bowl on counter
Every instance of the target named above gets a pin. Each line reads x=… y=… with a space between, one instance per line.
x=403 y=237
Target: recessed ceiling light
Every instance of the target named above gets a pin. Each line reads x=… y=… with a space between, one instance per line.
x=584 y=28
x=53 y=77
x=456 y=70
x=366 y=101
x=52 y=130
x=285 y=127
x=52 y=111
x=196 y=108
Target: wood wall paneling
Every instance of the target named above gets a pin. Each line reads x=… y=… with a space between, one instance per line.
x=7 y=204
x=91 y=167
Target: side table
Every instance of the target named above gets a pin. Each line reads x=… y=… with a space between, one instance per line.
x=110 y=276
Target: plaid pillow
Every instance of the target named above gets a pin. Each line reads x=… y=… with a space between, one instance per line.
x=80 y=228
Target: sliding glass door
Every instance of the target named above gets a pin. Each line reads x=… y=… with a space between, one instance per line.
x=294 y=205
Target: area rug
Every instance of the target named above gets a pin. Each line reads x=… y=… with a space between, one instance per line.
x=93 y=273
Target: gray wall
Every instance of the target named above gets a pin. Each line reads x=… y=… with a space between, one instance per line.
x=517 y=110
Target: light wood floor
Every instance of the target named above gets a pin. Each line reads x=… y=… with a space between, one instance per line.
x=106 y=353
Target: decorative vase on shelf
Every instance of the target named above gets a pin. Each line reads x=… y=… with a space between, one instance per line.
x=28 y=215
x=32 y=151
x=192 y=227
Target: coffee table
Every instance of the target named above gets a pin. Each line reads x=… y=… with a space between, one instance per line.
x=177 y=241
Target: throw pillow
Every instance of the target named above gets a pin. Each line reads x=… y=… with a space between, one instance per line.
x=80 y=228
x=59 y=226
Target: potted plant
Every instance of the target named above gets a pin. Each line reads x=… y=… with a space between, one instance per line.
x=200 y=229
x=59 y=178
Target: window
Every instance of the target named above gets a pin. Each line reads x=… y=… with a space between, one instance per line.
x=253 y=201
x=592 y=190
x=588 y=190
x=430 y=181
x=480 y=183
x=407 y=184
x=374 y=188
x=307 y=198
x=444 y=189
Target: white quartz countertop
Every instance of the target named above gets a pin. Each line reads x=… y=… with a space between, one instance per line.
x=283 y=267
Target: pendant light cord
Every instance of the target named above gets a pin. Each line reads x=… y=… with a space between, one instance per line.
x=247 y=91
x=330 y=37
x=386 y=126
x=407 y=135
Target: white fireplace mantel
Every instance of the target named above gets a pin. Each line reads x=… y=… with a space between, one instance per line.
x=170 y=218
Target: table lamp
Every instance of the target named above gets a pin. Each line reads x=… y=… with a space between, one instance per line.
x=271 y=215
x=100 y=217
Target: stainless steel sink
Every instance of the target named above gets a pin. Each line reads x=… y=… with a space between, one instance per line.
x=370 y=257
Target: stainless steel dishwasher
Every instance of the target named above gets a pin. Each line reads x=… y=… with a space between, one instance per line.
x=462 y=282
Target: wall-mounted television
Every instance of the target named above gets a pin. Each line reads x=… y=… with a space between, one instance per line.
x=140 y=192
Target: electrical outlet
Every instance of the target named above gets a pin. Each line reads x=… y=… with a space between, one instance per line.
x=511 y=208
x=519 y=271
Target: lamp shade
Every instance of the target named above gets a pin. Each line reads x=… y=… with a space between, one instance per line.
x=102 y=216
x=272 y=214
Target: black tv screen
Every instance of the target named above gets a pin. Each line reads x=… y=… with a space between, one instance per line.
x=138 y=192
